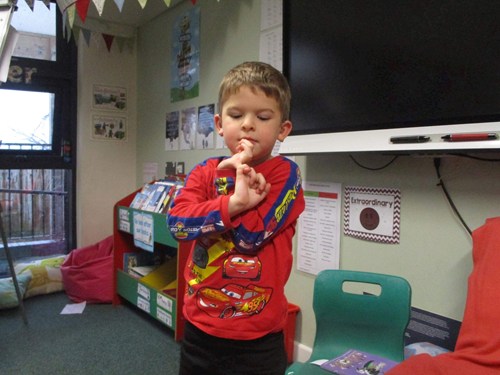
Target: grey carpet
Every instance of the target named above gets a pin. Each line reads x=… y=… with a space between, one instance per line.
x=105 y=339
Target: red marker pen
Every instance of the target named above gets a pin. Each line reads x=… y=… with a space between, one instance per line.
x=469 y=137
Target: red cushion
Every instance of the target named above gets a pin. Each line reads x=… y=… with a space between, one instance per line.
x=87 y=273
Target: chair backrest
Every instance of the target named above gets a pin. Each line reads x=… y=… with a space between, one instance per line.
x=368 y=322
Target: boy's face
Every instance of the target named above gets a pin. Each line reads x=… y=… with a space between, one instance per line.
x=255 y=117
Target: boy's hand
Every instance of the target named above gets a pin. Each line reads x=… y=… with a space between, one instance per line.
x=243 y=156
x=250 y=189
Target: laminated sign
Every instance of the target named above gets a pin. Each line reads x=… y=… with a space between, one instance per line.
x=372 y=214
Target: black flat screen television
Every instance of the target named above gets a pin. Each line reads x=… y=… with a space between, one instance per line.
x=384 y=68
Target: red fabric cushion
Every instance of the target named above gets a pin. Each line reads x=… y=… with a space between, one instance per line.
x=87 y=273
x=478 y=344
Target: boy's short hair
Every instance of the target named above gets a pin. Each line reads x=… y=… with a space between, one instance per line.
x=257 y=75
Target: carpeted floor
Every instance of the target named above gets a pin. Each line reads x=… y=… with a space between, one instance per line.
x=104 y=339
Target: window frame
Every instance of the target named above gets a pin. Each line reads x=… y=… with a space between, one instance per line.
x=61 y=77
x=58 y=77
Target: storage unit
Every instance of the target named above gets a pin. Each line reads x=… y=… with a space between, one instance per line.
x=141 y=234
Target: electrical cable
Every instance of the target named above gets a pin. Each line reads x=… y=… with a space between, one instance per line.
x=437 y=165
x=373 y=169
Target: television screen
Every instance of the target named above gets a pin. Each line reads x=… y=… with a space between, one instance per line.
x=365 y=64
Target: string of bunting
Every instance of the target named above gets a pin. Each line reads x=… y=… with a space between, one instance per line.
x=69 y=10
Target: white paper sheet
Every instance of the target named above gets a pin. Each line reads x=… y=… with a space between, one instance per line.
x=319 y=227
x=74 y=308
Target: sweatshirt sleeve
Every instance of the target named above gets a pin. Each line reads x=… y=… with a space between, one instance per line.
x=201 y=208
x=282 y=206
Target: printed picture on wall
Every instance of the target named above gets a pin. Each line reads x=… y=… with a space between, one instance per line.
x=189 y=118
x=205 y=128
x=372 y=214
x=185 y=66
x=172 y=131
x=109 y=128
x=109 y=98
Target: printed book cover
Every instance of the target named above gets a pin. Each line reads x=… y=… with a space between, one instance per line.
x=355 y=362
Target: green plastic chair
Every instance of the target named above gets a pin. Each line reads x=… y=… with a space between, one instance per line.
x=357 y=319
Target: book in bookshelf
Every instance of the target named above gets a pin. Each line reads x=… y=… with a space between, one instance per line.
x=157 y=196
x=355 y=362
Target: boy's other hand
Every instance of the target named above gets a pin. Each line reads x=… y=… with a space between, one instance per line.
x=250 y=189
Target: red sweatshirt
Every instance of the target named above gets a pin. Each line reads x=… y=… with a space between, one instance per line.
x=238 y=267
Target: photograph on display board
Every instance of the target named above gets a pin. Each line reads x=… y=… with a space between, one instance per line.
x=205 y=128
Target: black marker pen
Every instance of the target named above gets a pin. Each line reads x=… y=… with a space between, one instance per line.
x=410 y=139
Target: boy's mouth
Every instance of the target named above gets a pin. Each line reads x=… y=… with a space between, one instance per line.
x=249 y=139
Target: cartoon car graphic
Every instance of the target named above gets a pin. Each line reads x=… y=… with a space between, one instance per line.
x=242 y=267
x=233 y=300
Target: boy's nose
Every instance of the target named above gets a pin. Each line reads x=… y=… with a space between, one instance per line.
x=247 y=123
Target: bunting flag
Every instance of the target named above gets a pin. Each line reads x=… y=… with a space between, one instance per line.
x=108 y=39
x=119 y=4
x=82 y=7
x=86 y=35
x=31 y=4
x=69 y=9
x=99 y=4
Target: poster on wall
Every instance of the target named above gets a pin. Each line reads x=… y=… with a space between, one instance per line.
x=109 y=128
x=205 y=128
x=372 y=214
x=185 y=64
x=189 y=119
x=109 y=98
x=172 y=131
x=318 y=245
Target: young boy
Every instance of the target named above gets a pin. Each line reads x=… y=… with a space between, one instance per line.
x=241 y=213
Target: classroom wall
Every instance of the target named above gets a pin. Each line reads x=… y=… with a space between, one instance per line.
x=434 y=253
x=105 y=169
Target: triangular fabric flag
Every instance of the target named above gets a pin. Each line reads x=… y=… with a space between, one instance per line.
x=99 y=4
x=82 y=7
x=130 y=44
x=168 y=2
x=68 y=33
x=76 y=33
x=47 y=3
x=109 y=40
x=95 y=37
x=31 y=4
x=194 y=2
x=119 y=4
x=142 y=3
x=125 y=43
x=120 y=41
x=86 y=36
x=71 y=13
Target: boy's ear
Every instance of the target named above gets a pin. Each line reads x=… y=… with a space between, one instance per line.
x=285 y=129
x=218 y=123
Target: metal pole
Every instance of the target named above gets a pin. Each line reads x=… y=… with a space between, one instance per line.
x=12 y=270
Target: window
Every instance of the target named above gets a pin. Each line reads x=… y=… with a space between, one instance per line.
x=38 y=134
x=36 y=30
x=38 y=101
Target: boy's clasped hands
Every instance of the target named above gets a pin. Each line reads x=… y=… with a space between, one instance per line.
x=250 y=187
